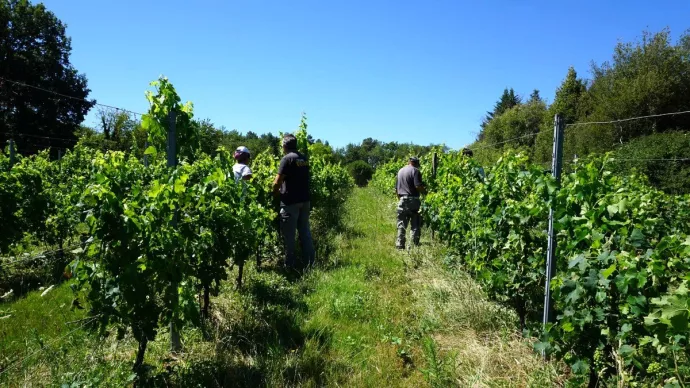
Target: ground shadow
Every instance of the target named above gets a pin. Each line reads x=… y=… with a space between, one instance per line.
x=261 y=342
x=206 y=373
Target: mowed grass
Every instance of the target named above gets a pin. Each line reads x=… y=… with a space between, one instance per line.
x=404 y=319
x=368 y=316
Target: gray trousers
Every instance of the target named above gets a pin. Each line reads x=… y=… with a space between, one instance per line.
x=292 y=218
x=408 y=213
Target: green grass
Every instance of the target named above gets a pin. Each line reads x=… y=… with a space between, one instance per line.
x=368 y=316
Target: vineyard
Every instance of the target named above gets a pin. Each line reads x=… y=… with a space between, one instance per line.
x=160 y=249
x=621 y=290
x=145 y=243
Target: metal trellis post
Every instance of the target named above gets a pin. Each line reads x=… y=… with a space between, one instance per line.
x=434 y=164
x=434 y=167
x=175 y=345
x=556 y=164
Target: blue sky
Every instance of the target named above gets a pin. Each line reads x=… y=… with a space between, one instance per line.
x=407 y=71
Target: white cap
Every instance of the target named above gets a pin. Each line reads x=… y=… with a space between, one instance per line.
x=243 y=150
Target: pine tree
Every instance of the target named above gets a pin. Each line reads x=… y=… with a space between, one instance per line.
x=568 y=96
x=508 y=100
x=535 y=97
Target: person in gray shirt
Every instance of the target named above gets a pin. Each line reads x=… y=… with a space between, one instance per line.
x=408 y=187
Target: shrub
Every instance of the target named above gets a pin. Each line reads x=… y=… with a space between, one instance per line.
x=361 y=172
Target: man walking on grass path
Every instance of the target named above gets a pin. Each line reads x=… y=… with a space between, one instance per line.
x=292 y=185
x=408 y=186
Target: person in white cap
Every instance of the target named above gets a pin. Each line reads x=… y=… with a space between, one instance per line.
x=241 y=168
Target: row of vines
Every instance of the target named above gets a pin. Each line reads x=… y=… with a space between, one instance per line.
x=623 y=260
x=144 y=240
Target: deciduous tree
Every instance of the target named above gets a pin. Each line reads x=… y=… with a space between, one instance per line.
x=35 y=51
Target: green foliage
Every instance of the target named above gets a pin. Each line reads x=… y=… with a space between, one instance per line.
x=302 y=136
x=156 y=123
x=647 y=77
x=643 y=78
x=130 y=138
x=35 y=51
x=377 y=153
x=499 y=223
x=153 y=237
x=361 y=172
x=515 y=123
x=568 y=102
x=507 y=101
x=620 y=293
x=137 y=246
x=535 y=97
x=330 y=185
x=210 y=138
x=568 y=97
x=40 y=207
x=623 y=246
x=653 y=156
x=384 y=176
x=23 y=202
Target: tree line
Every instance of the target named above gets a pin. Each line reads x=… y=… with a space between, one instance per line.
x=646 y=77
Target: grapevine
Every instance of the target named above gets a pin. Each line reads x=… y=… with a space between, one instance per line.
x=621 y=290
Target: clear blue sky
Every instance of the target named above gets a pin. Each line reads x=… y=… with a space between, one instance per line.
x=419 y=71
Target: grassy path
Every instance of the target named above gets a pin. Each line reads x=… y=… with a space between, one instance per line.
x=368 y=316
x=402 y=319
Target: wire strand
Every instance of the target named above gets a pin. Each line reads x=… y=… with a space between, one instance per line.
x=652 y=159
x=11 y=263
x=628 y=119
x=68 y=96
x=505 y=141
x=614 y=160
x=39 y=137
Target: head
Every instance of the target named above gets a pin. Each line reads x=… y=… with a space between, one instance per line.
x=467 y=152
x=413 y=161
x=242 y=154
x=289 y=143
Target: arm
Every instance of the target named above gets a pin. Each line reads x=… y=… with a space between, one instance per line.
x=280 y=178
x=418 y=184
x=246 y=173
x=277 y=182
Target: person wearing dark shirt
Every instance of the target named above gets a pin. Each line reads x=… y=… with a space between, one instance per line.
x=292 y=185
x=408 y=187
